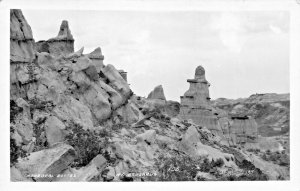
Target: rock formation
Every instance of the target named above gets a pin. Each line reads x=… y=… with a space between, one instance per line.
x=62 y=44
x=72 y=118
x=157 y=93
x=243 y=130
x=270 y=111
x=195 y=103
x=123 y=74
x=97 y=58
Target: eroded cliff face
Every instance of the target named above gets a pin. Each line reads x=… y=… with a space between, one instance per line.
x=271 y=111
x=62 y=86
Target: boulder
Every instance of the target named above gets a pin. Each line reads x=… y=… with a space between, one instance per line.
x=91 y=72
x=116 y=99
x=46 y=164
x=116 y=81
x=24 y=127
x=54 y=130
x=84 y=174
x=157 y=93
x=75 y=54
x=81 y=63
x=191 y=137
x=73 y=110
x=127 y=113
x=98 y=102
x=148 y=136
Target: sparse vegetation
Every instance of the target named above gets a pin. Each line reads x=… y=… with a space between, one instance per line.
x=87 y=143
x=179 y=168
x=15 y=150
x=280 y=158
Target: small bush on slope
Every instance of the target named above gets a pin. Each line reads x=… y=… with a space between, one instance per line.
x=87 y=143
x=179 y=168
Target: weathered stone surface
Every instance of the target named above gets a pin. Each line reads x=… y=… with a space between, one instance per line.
x=127 y=113
x=97 y=59
x=54 y=130
x=63 y=43
x=73 y=110
x=16 y=176
x=24 y=127
x=243 y=130
x=190 y=140
x=21 y=40
x=149 y=136
x=84 y=174
x=116 y=80
x=123 y=74
x=51 y=161
x=42 y=46
x=157 y=93
x=116 y=99
x=82 y=63
x=270 y=111
x=195 y=104
x=97 y=100
x=91 y=72
x=75 y=54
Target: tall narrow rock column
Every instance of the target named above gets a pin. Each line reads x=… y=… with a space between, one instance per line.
x=195 y=103
x=63 y=43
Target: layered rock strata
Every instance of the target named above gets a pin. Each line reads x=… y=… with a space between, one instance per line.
x=195 y=103
x=243 y=130
x=53 y=91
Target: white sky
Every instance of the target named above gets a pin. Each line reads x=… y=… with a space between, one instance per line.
x=243 y=52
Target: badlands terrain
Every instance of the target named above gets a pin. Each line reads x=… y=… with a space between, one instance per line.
x=74 y=118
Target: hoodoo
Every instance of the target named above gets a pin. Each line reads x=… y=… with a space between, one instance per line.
x=63 y=43
x=195 y=103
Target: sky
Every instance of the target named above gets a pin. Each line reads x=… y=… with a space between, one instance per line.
x=243 y=53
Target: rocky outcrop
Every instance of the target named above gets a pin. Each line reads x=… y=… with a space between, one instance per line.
x=243 y=130
x=21 y=40
x=84 y=174
x=123 y=74
x=54 y=130
x=22 y=53
x=45 y=165
x=195 y=103
x=97 y=58
x=63 y=43
x=157 y=93
x=149 y=136
x=270 y=111
x=52 y=87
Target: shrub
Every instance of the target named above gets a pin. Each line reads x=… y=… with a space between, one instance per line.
x=39 y=133
x=15 y=151
x=179 y=168
x=87 y=144
x=14 y=110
